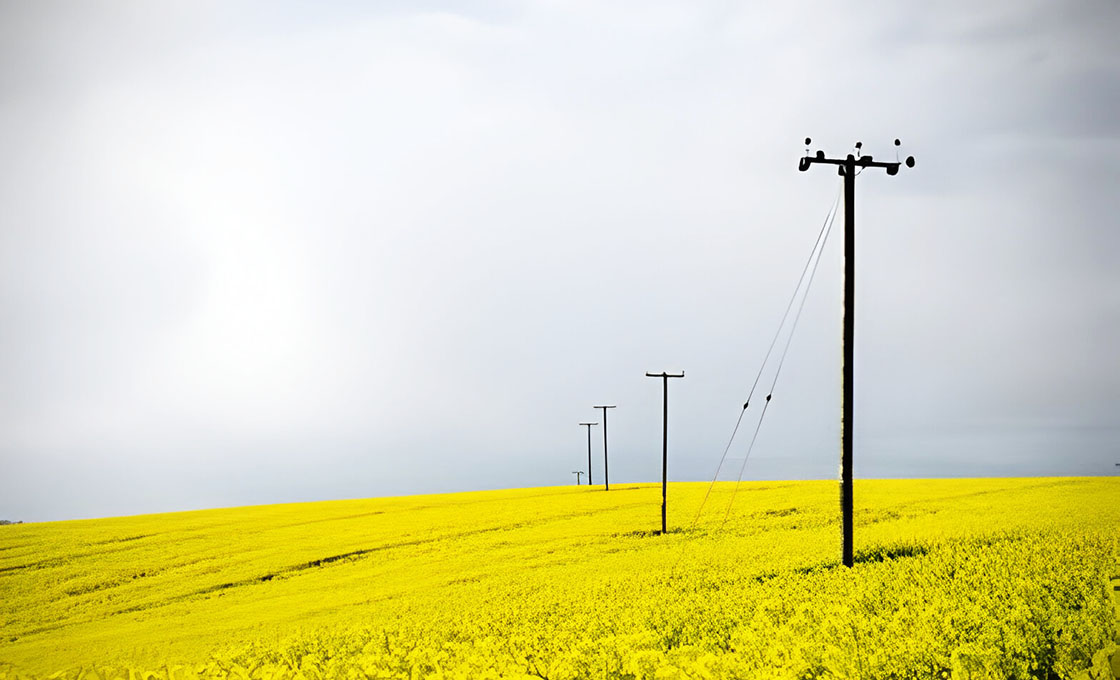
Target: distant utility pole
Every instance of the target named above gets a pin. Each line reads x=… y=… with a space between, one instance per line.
x=588 y=426
x=664 y=435
x=606 y=472
x=849 y=168
x=577 y=473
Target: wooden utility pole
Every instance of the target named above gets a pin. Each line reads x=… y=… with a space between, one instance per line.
x=606 y=471
x=577 y=473
x=589 y=426
x=664 y=435
x=850 y=166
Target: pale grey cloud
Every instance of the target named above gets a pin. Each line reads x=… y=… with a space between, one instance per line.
x=263 y=253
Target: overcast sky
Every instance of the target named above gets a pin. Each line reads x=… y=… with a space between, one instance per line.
x=275 y=252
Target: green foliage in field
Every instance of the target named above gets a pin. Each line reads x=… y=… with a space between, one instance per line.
x=954 y=578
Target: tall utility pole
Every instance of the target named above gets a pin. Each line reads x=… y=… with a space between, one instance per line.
x=606 y=473
x=577 y=473
x=849 y=168
x=588 y=426
x=664 y=436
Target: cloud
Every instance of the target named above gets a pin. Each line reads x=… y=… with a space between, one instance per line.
x=309 y=253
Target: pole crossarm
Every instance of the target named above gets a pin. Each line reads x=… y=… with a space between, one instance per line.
x=849 y=167
x=859 y=161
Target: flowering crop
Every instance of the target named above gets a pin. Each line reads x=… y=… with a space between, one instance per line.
x=995 y=578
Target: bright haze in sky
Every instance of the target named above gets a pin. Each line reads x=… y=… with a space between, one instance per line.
x=271 y=252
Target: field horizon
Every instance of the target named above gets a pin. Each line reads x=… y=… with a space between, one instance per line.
x=597 y=486
x=574 y=581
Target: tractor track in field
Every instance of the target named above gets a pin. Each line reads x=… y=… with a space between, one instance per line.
x=299 y=568
x=64 y=559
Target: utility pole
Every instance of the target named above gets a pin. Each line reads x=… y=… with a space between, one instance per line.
x=850 y=166
x=577 y=473
x=606 y=472
x=664 y=436
x=588 y=426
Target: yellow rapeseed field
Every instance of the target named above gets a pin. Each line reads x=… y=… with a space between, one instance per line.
x=987 y=578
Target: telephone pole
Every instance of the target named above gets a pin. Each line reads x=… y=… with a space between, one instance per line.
x=588 y=426
x=664 y=435
x=606 y=475
x=850 y=166
x=577 y=473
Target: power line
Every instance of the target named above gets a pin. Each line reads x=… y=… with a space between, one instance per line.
x=810 y=262
x=719 y=467
x=801 y=305
x=782 y=359
x=825 y=225
x=750 y=447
